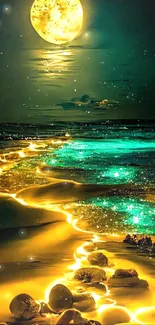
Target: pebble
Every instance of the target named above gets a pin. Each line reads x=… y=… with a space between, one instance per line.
x=127 y=278
x=60 y=298
x=84 y=302
x=24 y=307
x=90 y=274
x=98 y=258
x=115 y=315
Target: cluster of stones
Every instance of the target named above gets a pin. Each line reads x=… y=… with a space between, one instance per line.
x=144 y=243
x=62 y=302
x=69 y=305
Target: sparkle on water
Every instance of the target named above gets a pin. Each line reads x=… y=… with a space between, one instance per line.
x=101 y=162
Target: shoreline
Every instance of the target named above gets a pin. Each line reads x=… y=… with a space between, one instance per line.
x=48 y=246
x=56 y=255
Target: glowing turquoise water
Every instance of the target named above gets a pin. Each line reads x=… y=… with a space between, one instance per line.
x=134 y=213
x=113 y=161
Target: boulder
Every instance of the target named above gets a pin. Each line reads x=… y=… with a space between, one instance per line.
x=126 y=278
x=115 y=315
x=97 y=258
x=70 y=315
x=60 y=298
x=90 y=274
x=80 y=296
x=24 y=307
x=73 y=316
x=84 y=302
x=126 y=273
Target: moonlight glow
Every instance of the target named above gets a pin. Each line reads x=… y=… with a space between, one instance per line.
x=57 y=21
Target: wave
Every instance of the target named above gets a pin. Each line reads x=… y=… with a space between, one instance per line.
x=62 y=191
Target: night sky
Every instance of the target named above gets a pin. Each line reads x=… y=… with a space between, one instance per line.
x=113 y=59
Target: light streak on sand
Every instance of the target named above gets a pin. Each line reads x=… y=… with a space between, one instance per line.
x=21 y=201
x=8 y=159
x=142 y=312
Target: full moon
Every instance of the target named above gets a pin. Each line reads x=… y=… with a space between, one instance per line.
x=57 y=21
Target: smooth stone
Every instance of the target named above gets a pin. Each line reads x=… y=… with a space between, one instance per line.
x=73 y=316
x=127 y=282
x=97 y=258
x=90 y=274
x=39 y=320
x=77 y=296
x=122 y=273
x=60 y=298
x=115 y=315
x=70 y=315
x=127 y=278
x=84 y=302
x=24 y=307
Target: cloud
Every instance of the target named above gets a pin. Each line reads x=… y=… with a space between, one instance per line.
x=87 y=102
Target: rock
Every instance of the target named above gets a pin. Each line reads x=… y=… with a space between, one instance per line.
x=146 y=315
x=90 y=274
x=44 y=309
x=81 y=296
x=73 y=316
x=70 y=315
x=98 y=258
x=97 y=285
x=24 y=307
x=126 y=278
x=127 y=282
x=125 y=273
x=60 y=298
x=84 y=322
x=84 y=302
x=115 y=315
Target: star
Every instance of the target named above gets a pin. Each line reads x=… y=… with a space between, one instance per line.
x=7 y=9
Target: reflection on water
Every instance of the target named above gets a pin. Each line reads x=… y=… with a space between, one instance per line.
x=52 y=65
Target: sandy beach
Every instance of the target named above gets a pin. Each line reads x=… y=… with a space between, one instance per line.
x=42 y=253
x=43 y=243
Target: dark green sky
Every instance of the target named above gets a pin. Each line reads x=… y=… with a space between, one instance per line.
x=114 y=59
